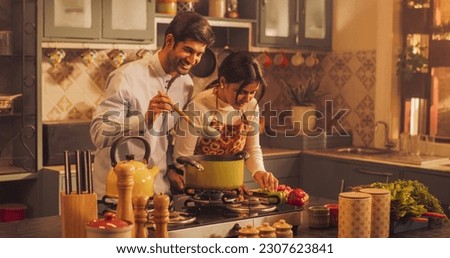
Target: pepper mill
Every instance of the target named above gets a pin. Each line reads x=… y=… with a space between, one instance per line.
x=248 y=232
x=161 y=215
x=283 y=229
x=266 y=231
x=140 y=215
x=125 y=185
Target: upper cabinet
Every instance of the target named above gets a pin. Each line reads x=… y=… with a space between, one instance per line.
x=99 y=20
x=295 y=24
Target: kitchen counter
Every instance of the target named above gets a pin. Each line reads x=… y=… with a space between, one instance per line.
x=441 y=164
x=50 y=227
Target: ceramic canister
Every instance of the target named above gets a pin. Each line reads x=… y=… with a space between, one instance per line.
x=381 y=207
x=354 y=215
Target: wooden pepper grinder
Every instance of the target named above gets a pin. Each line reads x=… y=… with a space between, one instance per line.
x=161 y=215
x=125 y=185
x=140 y=215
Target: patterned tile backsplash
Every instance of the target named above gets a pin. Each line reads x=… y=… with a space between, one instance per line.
x=72 y=89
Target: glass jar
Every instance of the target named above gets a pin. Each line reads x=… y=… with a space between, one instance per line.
x=232 y=9
x=319 y=217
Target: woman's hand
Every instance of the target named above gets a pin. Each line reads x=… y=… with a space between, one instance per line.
x=176 y=180
x=266 y=180
x=158 y=104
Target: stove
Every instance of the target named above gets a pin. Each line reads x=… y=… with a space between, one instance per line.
x=223 y=214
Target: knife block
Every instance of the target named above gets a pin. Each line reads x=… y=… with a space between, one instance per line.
x=76 y=211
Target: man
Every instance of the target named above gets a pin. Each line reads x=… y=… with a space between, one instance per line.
x=138 y=96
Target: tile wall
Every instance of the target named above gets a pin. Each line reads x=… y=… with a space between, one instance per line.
x=72 y=89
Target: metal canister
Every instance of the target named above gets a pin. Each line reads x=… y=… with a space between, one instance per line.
x=6 y=43
x=319 y=217
x=166 y=6
x=354 y=215
x=381 y=211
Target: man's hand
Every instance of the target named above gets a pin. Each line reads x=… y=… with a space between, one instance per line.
x=266 y=180
x=158 y=104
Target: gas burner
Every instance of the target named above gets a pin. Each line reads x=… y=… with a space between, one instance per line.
x=251 y=206
x=210 y=198
x=175 y=218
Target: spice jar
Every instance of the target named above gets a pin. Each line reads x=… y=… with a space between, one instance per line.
x=319 y=217
x=266 y=231
x=334 y=213
x=283 y=229
x=232 y=9
x=166 y=6
x=248 y=232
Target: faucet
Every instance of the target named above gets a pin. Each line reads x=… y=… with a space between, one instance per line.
x=387 y=142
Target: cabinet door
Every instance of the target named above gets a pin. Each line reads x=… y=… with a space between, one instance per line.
x=72 y=19
x=322 y=177
x=278 y=23
x=437 y=182
x=363 y=174
x=315 y=29
x=132 y=19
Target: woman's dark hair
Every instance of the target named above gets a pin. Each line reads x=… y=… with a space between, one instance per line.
x=241 y=67
x=191 y=25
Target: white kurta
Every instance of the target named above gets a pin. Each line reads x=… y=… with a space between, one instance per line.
x=128 y=92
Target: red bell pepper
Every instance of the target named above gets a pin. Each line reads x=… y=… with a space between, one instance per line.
x=297 y=197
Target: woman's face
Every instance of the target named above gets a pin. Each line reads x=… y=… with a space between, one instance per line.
x=247 y=93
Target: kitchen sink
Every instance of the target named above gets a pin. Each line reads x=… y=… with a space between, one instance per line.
x=363 y=151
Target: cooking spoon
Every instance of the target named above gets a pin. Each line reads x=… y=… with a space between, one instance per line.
x=207 y=131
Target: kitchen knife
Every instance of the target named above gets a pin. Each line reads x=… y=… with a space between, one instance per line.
x=67 y=174
x=78 y=171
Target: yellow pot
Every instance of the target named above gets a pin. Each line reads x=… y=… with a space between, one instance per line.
x=214 y=172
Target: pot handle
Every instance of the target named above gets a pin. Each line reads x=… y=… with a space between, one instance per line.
x=186 y=160
x=112 y=153
x=242 y=154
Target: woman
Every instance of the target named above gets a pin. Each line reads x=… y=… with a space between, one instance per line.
x=228 y=104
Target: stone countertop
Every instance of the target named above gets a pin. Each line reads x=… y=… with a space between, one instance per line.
x=50 y=227
x=441 y=164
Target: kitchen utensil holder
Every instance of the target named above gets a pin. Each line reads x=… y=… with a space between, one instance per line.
x=76 y=211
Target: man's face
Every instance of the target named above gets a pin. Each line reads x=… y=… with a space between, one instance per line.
x=184 y=55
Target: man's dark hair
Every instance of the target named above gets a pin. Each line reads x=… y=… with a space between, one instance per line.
x=191 y=25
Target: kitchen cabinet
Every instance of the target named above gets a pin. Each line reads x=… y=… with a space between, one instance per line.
x=322 y=177
x=284 y=164
x=19 y=123
x=304 y=24
x=437 y=182
x=362 y=173
x=99 y=20
x=327 y=177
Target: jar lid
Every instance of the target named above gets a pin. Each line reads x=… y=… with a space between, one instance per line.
x=248 y=230
x=321 y=210
x=375 y=191
x=282 y=224
x=354 y=195
x=12 y=206
x=109 y=221
x=265 y=227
